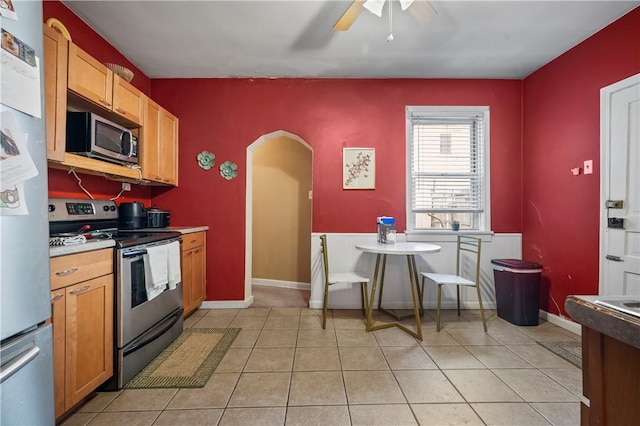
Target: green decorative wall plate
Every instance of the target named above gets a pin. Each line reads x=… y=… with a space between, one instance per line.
x=206 y=160
x=228 y=170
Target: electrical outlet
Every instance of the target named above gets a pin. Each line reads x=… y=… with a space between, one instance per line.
x=126 y=186
x=588 y=167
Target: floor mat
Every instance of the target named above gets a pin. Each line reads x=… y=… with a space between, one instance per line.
x=188 y=362
x=570 y=351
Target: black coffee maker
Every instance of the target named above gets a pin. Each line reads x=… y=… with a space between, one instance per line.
x=132 y=216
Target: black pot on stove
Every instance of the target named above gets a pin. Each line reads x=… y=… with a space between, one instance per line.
x=132 y=216
x=157 y=218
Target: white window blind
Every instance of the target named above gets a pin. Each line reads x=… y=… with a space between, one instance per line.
x=446 y=167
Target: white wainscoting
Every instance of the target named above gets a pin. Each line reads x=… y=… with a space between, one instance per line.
x=343 y=256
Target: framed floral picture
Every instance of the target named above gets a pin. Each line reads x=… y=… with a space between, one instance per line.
x=358 y=168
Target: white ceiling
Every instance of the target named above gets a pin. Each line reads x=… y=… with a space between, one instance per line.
x=466 y=39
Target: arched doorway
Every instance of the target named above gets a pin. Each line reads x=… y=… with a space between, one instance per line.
x=278 y=212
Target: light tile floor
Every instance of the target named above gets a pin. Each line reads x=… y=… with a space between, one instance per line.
x=283 y=369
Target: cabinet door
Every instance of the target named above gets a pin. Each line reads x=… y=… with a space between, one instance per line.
x=58 y=316
x=198 y=277
x=127 y=100
x=187 y=280
x=150 y=141
x=168 y=147
x=89 y=327
x=56 y=52
x=89 y=78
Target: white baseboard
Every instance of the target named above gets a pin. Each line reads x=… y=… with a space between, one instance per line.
x=562 y=322
x=227 y=304
x=278 y=283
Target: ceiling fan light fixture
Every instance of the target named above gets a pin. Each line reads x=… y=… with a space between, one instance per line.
x=404 y=4
x=374 y=6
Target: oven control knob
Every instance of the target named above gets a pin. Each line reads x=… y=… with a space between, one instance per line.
x=51 y=208
x=105 y=208
x=112 y=208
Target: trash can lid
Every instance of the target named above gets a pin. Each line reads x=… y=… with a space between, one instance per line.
x=516 y=264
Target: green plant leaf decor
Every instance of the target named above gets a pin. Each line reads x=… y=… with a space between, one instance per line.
x=206 y=160
x=228 y=170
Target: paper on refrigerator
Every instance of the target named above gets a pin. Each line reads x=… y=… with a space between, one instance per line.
x=16 y=165
x=20 y=76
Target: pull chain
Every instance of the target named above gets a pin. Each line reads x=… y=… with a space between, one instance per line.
x=390 y=36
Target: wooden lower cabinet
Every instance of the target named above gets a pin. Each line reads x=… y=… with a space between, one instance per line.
x=58 y=317
x=194 y=269
x=82 y=318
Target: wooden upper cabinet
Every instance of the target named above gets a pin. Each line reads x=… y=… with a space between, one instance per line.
x=127 y=100
x=150 y=142
x=56 y=52
x=159 y=145
x=89 y=78
x=93 y=81
x=168 y=147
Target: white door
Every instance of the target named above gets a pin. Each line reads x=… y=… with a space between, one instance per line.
x=620 y=188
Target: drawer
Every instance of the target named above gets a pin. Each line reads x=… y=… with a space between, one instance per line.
x=192 y=240
x=75 y=268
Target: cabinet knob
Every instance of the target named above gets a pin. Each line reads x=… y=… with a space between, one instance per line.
x=121 y=111
x=104 y=102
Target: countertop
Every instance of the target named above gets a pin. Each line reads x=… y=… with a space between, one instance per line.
x=618 y=325
x=97 y=244
x=181 y=229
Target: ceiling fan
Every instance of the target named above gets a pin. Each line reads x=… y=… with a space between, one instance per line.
x=420 y=9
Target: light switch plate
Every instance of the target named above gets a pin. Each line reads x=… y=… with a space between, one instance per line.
x=588 y=167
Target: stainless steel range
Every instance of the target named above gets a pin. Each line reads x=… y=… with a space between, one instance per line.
x=145 y=323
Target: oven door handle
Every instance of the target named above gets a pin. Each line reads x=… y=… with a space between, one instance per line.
x=171 y=321
x=134 y=253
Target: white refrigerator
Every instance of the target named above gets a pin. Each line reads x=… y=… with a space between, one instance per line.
x=26 y=370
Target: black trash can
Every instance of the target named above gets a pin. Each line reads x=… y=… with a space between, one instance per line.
x=517 y=290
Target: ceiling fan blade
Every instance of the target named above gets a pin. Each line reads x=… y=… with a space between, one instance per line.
x=349 y=16
x=422 y=10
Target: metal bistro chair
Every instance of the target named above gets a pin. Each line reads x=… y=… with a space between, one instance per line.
x=466 y=244
x=339 y=281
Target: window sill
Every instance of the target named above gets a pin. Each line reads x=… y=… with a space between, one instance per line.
x=444 y=235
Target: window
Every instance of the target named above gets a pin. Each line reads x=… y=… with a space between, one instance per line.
x=447 y=170
x=445 y=143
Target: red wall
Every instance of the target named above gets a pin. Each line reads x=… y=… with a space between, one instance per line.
x=62 y=184
x=225 y=116
x=540 y=128
x=561 y=129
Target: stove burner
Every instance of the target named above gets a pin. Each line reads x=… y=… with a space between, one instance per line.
x=134 y=238
x=100 y=221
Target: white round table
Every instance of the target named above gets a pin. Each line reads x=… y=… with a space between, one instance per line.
x=398 y=249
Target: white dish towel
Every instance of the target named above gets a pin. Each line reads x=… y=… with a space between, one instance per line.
x=156 y=271
x=174 y=272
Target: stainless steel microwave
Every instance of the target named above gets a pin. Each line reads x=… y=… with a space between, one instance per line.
x=93 y=136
